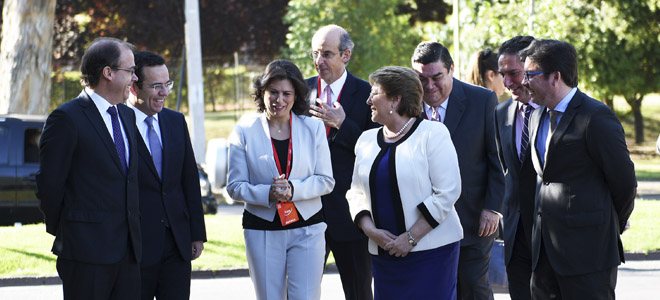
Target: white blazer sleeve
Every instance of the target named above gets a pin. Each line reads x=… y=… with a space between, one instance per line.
x=321 y=181
x=238 y=176
x=444 y=173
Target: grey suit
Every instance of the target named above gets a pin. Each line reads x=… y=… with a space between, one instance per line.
x=469 y=119
x=585 y=193
x=518 y=200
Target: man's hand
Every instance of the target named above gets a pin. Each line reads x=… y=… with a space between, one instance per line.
x=331 y=116
x=488 y=222
x=197 y=248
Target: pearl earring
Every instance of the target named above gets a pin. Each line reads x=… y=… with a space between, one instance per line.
x=390 y=111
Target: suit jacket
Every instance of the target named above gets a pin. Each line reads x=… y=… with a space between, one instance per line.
x=89 y=203
x=520 y=178
x=421 y=191
x=252 y=165
x=469 y=119
x=353 y=99
x=586 y=189
x=175 y=198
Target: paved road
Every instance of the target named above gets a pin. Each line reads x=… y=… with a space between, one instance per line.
x=637 y=280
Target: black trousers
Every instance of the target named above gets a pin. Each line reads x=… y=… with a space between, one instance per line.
x=473 y=262
x=169 y=279
x=84 y=281
x=519 y=269
x=354 y=264
x=547 y=284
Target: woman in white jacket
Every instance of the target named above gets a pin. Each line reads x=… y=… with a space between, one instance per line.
x=279 y=165
x=405 y=183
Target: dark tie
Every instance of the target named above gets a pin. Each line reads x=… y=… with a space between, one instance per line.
x=118 y=137
x=154 y=144
x=524 y=140
x=554 y=115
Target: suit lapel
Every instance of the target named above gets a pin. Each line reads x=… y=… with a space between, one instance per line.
x=129 y=129
x=566 y=119
x=92 y=114
x=534 y=125
x=455 y=107
x=510 y=131
x=313 y=93
x=166 y=139
x=350 y=87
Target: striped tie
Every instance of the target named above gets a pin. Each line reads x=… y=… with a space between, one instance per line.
x=524 y=141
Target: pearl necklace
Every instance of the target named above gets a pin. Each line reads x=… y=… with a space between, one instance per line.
x=400 y=131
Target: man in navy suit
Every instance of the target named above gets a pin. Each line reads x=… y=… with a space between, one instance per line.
x=512 y=134
x=87 y=180
x=173 y=230
x=339 y=99
x=467 y=111
x=586 y=181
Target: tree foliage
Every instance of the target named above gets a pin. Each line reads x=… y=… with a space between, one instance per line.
x=617 y=40
x=382 y=36
x=251 y=27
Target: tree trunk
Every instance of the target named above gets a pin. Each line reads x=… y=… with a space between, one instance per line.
x=26 y=55
x=636 y=106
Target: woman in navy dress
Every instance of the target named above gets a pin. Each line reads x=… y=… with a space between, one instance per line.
x=405 y=183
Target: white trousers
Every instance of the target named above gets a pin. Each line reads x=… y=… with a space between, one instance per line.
x=286 y=262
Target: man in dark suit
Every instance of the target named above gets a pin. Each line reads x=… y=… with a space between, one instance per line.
x=512 y=136
x=339 y=99
x=173 y=230
x=87 y=181
x=586 y=181
x=467 y=111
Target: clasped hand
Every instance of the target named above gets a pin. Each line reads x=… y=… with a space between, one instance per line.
x=280 y=190
x=332 y=116
x=395 y=245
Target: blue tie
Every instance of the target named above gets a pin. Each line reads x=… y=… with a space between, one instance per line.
x=118 y=137
x=154 y=144
x=524 y=140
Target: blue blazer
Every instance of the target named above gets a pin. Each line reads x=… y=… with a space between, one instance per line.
x=520 y=178
x=470 y=122
x=585 y=191
x=176 y=197
x=90 y=204
x=342 y=142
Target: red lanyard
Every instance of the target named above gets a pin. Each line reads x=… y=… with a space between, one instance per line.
x=289 y=154
x=318 y=90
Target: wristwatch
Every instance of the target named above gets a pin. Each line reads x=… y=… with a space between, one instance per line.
x=411 y=240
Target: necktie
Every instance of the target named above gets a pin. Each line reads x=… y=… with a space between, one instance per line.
x=328 y=95
x=524 y=140
x=554 y=115
x=435 y=115
x=154 y=144
x=118 y=137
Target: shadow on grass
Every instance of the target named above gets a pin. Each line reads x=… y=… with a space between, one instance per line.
x=32 y=254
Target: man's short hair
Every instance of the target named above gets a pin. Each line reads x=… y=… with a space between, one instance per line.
x=146 y=59
x=515 y=44
x=103 y=52
x=345 y=42
x=554 y=56
x=430 y=52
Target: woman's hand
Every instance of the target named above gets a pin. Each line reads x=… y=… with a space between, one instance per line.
x=280 y=190
x=399 y=247
x=380 y=236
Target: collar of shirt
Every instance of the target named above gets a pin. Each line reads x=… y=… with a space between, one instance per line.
x=142 y=126
x=102 y=105
x=335 y=86
x=561 y=106
x=443 y=111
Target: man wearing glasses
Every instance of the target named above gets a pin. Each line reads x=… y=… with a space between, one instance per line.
x=173 y=230
x=87 y=180
x=586 y=181
x=512 y=136
x=467 y=111
x=339 y=99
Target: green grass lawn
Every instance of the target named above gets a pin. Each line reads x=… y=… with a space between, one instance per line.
x=644 y=232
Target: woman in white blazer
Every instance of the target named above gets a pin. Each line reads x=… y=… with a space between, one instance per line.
x=405 y=183
x=279 y=165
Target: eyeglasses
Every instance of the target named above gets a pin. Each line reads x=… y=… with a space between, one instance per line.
x=131 y=69
x=326 y=54
x=160 y=86
x=528 y=74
